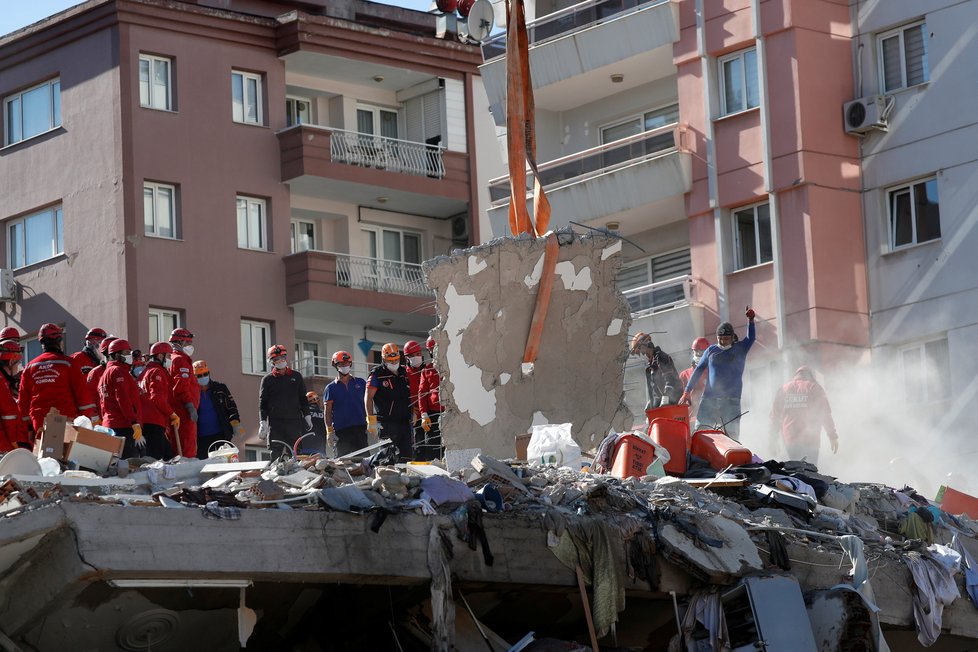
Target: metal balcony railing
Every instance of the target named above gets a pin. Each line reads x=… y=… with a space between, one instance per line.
x=322 y=366
x=380 y=275
x=391 y=154
x=559 y=23
x=597 y=160
x=662 y=295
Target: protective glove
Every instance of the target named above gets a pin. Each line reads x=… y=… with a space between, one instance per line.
x=685 y=399
x=238 y=428
x=192 y=411
x=308 y=422
x=137 y=436
x=665 y=401
x=175 y=421
x=331 y=438
x=425 y=422
x=372 y=427
x=835 y=445
x=750 y=314
x=263 y=430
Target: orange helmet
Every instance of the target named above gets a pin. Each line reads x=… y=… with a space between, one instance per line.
x=412 y=348
x=390 y=353
x=277 y=350
x=640 y=340
x=10 y=350
x=342 y=358
x=200 y=367
x=312 y=396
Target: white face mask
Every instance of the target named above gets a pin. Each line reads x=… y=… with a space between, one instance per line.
x=189 y=349
x=393 y=366
x=281 y=364
x=343 y=370
x=724 y=347
x=167 y=362
x=415 y=361
x=697 y=356
x=203 y=381
x=127 y=358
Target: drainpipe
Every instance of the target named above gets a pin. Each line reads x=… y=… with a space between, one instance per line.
x=772 y=195
x=711 y=169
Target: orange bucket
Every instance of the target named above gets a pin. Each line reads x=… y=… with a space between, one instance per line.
x=676 y=412
x=673 y=435
x=631 y=457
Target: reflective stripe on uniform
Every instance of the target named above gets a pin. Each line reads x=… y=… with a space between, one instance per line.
x=12 y=416
x=64 y=362
x=87 y=407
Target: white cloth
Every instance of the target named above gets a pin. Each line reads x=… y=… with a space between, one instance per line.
x=935 y=589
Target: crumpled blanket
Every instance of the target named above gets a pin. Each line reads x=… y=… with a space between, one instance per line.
x=935 y=589
x=915 y=527
x=706 y=608
x=970 y=569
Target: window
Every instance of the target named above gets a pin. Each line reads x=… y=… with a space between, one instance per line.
x=393 y=245
x=298 y=111
x=423 y=118
x=903 y=57
x=154 y=82
x=303 y=236
x=738 y=82
x=650 y=120
x=36 y=237
x=374 y=121
x=307 y=357
x=32 y=111
x=752 y=236
x=926 y=371
x=246 y=98
x=32 y=349
x=159 y=212
x=657 y=269
x=915 y=214
x=393 y=265
x=161 y=324
x=251 y=223
x=255 y=340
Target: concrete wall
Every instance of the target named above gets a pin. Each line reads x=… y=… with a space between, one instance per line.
x=486 y=299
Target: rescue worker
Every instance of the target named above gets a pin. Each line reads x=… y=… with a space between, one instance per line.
x=314 y=443
x=52 y=380
x=217 y=416
x=431 y=410
x=283 y=410
x=388 y=400
x=160 y=422
x=11 y=373
x=661 y=378
x=723 y=363
x=413 y=368
x=95 y=373
x=119 y=398
x=344 y=408
x=697 y=349
x=14 y=433
x=186 y=391
x=90 y=356
x=799 y=413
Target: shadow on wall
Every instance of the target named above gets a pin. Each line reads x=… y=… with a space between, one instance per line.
x=41 y=309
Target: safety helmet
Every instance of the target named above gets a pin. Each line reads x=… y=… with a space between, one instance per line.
x=181 y=335
x=276 y=350
x=390 y=353
x=9 y=333
x=341 y=358
x=312 y=396
x=200 y=367
x=430 y=343
x=447 y=6
x=639 y=340
x=104 y=346
x=119 y=345
x=412 y=348
x=700 y=344
x=10 y=350
x=50 y=332
x=161 y=348
x=96 y=332
x=724 y=329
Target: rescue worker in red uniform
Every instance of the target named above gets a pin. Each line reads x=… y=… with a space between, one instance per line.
x=89 y=357
x=388 y=400
x=799 y=413
x=14 y=432
x=52 y=380
x=697 y=348
x=160 y=422
x=12 y=378
x=430 y=410
x=119 y=399
x=413 y=367
x=186 y=391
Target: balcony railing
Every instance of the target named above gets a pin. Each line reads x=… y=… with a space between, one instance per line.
x=590 y=162
x=575 y=17
x=391 y=154
x=662 y=295
x=380 y=275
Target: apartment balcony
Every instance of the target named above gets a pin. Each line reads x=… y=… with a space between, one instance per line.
x=651 y=171
x=573 y=50
x=358 y=168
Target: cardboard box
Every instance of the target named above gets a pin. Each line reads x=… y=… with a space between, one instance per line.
x=52 y=440
x=93 y=450
x=522 y=444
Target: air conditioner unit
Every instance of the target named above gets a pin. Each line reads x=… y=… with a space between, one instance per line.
x=867 y=113
x=8 y=286
x=460 y=228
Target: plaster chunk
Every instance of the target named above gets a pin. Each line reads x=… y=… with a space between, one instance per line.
x=504 y=378
x=469 y=396
x=614 y=328
x=533 y=277
x=476 y=265
x=574 y=280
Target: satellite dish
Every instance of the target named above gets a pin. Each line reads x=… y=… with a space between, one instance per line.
x=481 y=18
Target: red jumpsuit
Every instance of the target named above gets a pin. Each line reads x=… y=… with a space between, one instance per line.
x=185 y=390
x=158 y=405
x=428 y=391
x=414 y=382
x=52 y=380
x=14 y=428
x=799 y=413
x=118 y=395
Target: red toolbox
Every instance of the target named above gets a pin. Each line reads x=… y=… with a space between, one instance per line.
x=719 y=450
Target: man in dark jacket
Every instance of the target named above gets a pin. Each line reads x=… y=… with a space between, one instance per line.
x=388 y=400
x=661 y=377
x=217 y=416
x=283 y=410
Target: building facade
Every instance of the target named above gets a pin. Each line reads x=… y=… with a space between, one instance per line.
x=257 y=172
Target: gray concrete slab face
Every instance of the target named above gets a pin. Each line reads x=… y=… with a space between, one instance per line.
x=485 y=302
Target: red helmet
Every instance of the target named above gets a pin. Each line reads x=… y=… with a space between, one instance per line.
x=181 y=335
x=412 y=348
x=96 y=332
x=276 y=350
x=464 y=6
x=119 y=345
x=342 y=357
x=430 y=343
x=9 y=333
x=447 y=6
x=50 y=332
x=10 y=350
x=161 y=348
x=104 y=346
x=700 y=344
x=390 y=353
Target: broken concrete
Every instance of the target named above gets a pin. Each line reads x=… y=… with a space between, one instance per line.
x=486 y=298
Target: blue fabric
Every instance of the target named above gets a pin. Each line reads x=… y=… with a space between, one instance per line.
x=207 y=423
x=724 y=369
x=347 y=398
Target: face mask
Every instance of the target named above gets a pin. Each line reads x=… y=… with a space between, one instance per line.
x=136 y=371
x=189 y=349
x=415 y=361
x=393 y=366
x=281 y=364
x=203 y=381
x=127 y=358
x=167 y=363
x=724 y=347
x=343 y=370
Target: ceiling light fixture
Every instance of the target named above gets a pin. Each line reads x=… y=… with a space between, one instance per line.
x=382 y=200
x=612 y=226
x=378 y=78
x=617 y=78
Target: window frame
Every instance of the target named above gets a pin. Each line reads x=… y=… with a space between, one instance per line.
x=254 y=324
x=249 y=200
x=300 y=361
x=57 y=215
x=155 y=186
x=377 y=121
x=899 y=32
x=739 y=264
x=153 y=59
x=162 y=335
x=641 y=118
x=294 y=233
x=929 y=389
x=298 y=98
x=890 y=195
x=379 y=234
x=260 y=112
x=54 y=109
x=647 y=263
x=722 y=81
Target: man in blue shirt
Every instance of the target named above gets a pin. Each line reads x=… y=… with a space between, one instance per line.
x=344 y=410
x=724 y=364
